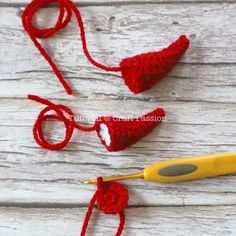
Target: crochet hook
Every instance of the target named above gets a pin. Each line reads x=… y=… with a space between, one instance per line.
x=182 y=169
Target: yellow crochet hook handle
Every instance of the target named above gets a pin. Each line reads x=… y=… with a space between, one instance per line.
x=183 y=169
x=191 y=168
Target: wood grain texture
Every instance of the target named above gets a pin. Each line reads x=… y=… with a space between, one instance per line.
x=30 y=174
x=165 y=221
x=199 y=97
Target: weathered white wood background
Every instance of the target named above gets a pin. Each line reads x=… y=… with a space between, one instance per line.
x=42 y=192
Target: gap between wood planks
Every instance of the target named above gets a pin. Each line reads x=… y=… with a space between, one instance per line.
x=75 y=206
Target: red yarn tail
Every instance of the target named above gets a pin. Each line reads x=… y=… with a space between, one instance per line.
x=84 y=42
x=122 y=223
x=88 y=215
x=66 y=8
x=35 y=33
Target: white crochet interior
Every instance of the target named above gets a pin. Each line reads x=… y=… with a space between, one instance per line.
x=104 y=133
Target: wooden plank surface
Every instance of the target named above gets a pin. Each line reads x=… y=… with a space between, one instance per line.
x=198 y=95
x=166 y=221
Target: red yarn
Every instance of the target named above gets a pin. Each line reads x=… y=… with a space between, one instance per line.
x=60 y=110
x=66 y=8
x=122 y=132
x=112 y=198
x=140 y=72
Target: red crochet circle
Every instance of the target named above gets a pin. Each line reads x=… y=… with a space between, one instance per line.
x=112 y=198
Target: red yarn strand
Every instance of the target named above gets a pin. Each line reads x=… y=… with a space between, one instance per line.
x=122 y=223
x=65 y=7
x=88 y=215
x=84 y=42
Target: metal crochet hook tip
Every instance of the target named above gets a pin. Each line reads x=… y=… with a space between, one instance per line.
x=138 y=175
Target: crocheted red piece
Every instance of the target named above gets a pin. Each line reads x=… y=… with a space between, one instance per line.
x=126 y=132
x=112 y=198
x=139 y=72
x=122 y=132
x=143 y=71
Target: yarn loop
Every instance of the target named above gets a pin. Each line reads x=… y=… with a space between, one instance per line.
x=66 y=9
x=63 y=114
